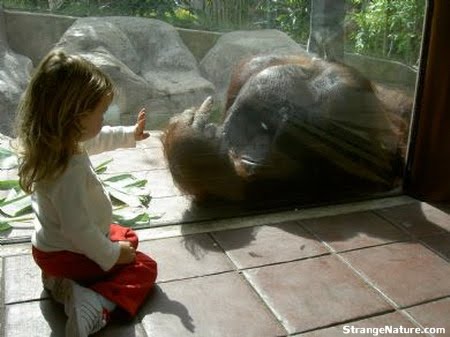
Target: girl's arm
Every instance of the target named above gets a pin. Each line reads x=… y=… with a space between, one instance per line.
x=111 y=138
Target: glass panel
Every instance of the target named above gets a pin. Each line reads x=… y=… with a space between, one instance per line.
x=311 y=100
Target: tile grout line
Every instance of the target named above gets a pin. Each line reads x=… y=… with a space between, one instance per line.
x=408 y=316
x=425 y=302
x=391 y=302
x=205 y=226
x=217 y=243
x=416 y=238
x=349 y=250
x=270 y=264
x=367 y=281
x=242 y=269
x=263 y=301
x=251 y=287
x=32 y=300
x=400 y=310
x=356 y=319
x=330 y=252
x=360 y=275
x=357 y=273
x=197 y=276
x=393 y=223
x=435 y=251
x=410 y=239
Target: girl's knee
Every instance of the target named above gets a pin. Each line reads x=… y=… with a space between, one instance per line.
x=148 y=263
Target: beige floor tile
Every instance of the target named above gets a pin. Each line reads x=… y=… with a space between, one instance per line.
x=314 y=293
x=394 y=325
x=408 y=273
x=255 y=246
x=354 y=230
x=419 y=219
x=433 y=315
x=220 y=305
x=188 y=256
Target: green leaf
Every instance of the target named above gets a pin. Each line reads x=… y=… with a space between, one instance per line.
x=16 y=204
x=20 y=222
x=120 y=177
x=4 y=226
x=101 y=168
x=125 y=180
x=127 y=189
x=130 y=218
x=130 y=192
x=5 y=153
x=133 y=217
x=138 y=183
x=124 y=198
x=145 y=200
x=8 y=159
x=8 y=184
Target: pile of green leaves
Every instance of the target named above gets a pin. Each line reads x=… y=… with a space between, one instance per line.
x=130 y=197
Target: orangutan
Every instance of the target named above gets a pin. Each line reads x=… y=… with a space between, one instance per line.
x=293 y=126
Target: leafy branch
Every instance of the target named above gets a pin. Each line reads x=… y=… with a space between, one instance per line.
x=130 y=197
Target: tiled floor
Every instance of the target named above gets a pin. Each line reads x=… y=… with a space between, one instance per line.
x=314 y=276
x=310 y=272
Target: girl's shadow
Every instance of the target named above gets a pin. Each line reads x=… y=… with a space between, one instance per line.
x=160 y=303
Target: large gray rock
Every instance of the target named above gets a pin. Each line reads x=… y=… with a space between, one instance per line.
x=232 y=47
x=34 y=34
x=148 y=62
x=14 y=75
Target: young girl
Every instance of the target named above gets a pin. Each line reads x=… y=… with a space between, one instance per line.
x=88 y=264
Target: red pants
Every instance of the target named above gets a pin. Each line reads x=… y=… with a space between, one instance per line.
x=126 y=285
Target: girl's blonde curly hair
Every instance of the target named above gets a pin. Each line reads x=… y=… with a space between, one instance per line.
x=63 y=89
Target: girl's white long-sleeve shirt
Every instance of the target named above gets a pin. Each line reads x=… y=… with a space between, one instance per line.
x=73 y=211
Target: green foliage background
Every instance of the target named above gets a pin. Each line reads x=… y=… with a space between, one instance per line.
x=387 y=28
x=383 y=28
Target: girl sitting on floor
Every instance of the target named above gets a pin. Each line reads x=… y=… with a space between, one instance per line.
x=88 y=264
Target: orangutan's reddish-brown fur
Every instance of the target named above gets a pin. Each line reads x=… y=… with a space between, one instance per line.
x=262 y=145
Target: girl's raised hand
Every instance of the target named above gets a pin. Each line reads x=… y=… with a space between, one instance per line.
x=139 y=133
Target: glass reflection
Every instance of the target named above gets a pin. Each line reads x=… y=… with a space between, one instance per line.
x=311 y=100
